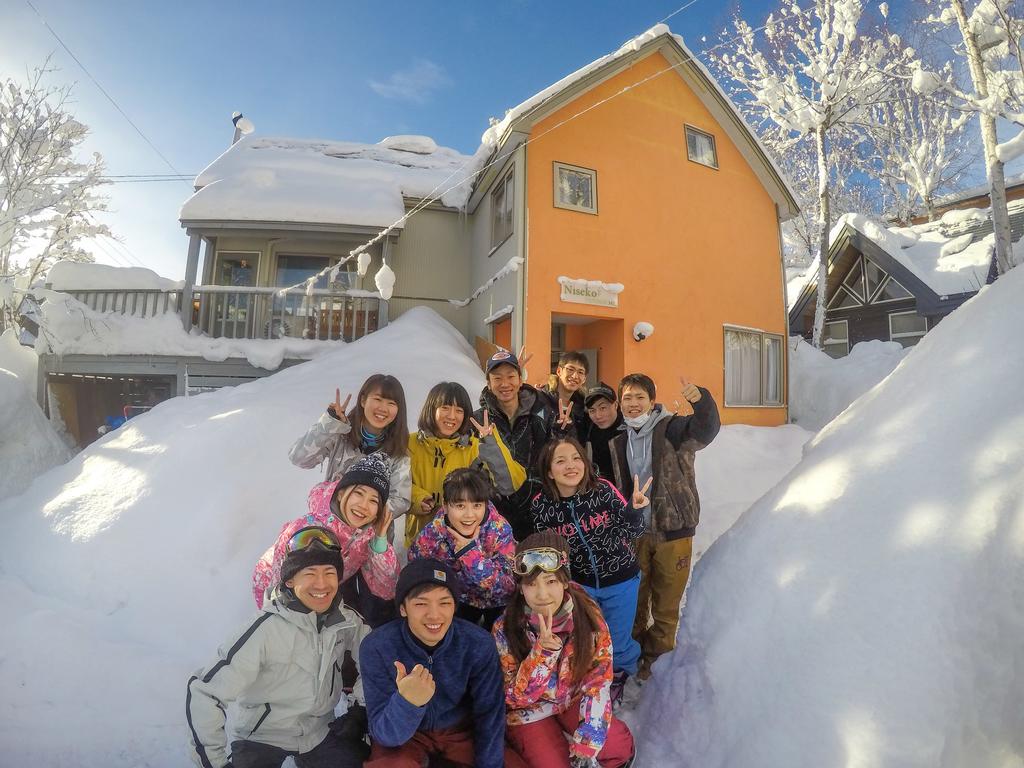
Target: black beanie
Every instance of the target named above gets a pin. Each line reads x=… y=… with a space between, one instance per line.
x=427 y=571
x=314 y=554
x=371 y=470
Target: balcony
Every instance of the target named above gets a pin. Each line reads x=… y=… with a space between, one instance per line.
x=235 y=312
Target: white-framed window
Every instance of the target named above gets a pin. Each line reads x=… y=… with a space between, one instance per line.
x=754 y=363
x=700 y=147
x=907 y=327
x=502 y=205
x=575 y=188
x=835 y=338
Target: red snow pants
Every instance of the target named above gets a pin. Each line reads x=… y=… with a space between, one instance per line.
x=542 y=743
x=454 y=746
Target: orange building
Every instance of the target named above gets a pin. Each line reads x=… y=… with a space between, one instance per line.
x=642 y=197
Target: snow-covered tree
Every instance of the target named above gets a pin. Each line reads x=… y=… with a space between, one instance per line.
x=918 y=150
x=813 y=73
x=47 y=195
x=990 y=33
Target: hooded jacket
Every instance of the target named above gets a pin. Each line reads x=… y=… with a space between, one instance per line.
x=324 y=440
x=675 y=505
x=432 y=458
x=541 y=685
x=484 y=566
x=380 y=570
x=600 y=528
x=468 y=687
x=598 y=446
x=283 y=669
x=580 y=420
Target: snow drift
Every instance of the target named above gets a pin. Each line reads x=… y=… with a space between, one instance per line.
x=28 y=443
x=821 y=387
x=868 y=611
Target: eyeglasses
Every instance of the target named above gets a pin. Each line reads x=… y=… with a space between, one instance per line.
x=545 y=558
x=574 y=373
x=309 y=536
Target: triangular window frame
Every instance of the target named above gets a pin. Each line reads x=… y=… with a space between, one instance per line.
x=842 y=293
x=876 y=299
x=858 y=293
x=871 y=294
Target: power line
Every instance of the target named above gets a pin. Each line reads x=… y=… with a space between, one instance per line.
x=103 y=90
x=677 y=10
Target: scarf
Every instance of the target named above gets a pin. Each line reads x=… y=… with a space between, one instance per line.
x=640 y=454
x=369 y=442
x=562 y=619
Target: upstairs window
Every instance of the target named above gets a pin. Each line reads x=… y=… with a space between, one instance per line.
x=575 y=188
x=700 y=147
x=502 y=204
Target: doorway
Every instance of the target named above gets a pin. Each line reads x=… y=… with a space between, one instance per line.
x=599 y=339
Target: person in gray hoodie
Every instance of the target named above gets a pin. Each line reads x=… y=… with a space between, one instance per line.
x=284 y=672
x=655 y=454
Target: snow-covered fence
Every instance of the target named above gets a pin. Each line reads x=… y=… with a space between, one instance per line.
x=270 y=313
x=242 y=312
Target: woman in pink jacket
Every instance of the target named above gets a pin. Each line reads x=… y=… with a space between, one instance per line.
x=354 y=509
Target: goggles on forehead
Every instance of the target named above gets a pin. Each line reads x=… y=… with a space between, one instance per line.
x=545 y=558
x=309 y=536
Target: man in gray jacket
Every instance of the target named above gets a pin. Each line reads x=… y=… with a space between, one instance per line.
x=284 y=672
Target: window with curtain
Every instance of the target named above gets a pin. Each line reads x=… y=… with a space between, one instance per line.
x=753 y=368
x=700 y=147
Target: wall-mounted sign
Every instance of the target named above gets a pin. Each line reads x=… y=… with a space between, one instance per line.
x=580 y=291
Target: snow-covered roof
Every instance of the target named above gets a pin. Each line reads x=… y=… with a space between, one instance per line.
x=976 y=191
x=271 y=179
x=655 y=37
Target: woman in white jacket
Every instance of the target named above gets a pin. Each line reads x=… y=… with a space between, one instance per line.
x=378 y=422
x=283 y=671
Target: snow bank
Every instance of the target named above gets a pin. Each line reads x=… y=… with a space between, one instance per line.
x=821 y=387
x=74 y=329
x=23 y=362
x=73 y=275
x=128 y=565
x=868 y=610
x=29 y=446
x=325 y=182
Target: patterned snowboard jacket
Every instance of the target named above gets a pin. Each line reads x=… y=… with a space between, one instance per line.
x=484 y=566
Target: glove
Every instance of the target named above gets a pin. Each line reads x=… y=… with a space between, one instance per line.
x=353 y=725
x=578 y=761
x=349 y=673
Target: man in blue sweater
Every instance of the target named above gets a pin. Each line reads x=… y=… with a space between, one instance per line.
x=433 y=683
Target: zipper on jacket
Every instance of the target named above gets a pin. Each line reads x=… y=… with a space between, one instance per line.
x=259 y=722
x=586 y=544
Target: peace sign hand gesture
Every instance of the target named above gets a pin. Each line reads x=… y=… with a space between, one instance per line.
x=547 y=639
x=338 y=409
x=524 y=358
x=486 y=429
x=640 y=500
x=382 y=525
x=564 y=414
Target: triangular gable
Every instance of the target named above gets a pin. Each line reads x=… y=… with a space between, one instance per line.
x=851 y=236
x=659 y=38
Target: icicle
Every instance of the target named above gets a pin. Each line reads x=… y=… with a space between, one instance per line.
x=384 y=280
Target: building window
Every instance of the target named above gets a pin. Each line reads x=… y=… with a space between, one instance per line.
x=502 y=202
x=575 y=188
x=700 y=147
x=835 y=338
x=907 y=327
x=753 y=368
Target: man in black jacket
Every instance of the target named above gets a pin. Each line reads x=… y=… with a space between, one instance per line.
x=605 y=422
x=526 y=420
x=567 y=387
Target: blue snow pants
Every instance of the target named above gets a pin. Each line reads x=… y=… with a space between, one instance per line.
x=618 y=604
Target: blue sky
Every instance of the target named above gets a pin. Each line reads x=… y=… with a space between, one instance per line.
x=339 y=70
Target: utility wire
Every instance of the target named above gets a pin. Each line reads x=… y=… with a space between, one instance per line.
x=103 y=90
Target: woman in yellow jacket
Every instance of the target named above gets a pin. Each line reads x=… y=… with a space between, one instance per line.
x=446 y=442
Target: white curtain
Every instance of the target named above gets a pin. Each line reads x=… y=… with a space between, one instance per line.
x=742 y=368
x=772 y=371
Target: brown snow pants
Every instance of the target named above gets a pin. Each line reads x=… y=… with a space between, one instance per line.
x=449 y=747
x=664 y=571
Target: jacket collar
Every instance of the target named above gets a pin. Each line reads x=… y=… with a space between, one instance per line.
x=414 y=646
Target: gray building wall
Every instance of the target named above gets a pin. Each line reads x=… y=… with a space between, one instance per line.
x=484 y=262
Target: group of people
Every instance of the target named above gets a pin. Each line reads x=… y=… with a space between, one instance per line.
x=548 y=538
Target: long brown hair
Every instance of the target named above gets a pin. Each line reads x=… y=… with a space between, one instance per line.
x=547 y=454
x=586 y=616
x=395 y=439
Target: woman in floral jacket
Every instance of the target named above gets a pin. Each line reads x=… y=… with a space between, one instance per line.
x=354 y=508
x=556 y=657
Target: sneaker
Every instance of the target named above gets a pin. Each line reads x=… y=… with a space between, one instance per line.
x=618 y=685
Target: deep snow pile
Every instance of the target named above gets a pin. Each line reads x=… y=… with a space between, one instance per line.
x=127 y=566
x=820 y=387
x=28 y=443
x=868 y=611
x=21 y=361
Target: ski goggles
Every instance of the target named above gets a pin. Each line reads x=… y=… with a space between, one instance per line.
x=309 y=536
x=545 y=558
